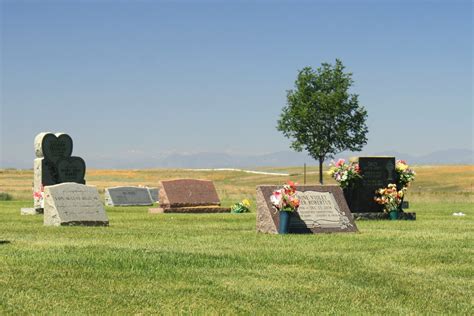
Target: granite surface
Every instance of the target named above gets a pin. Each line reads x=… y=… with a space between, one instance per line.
x=187 y=192
x=73 y=204
x=127 y=196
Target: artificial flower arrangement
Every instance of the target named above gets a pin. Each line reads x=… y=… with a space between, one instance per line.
x=344 y=173
x=241 y=207
x=389 y=197
x=38 y=196
x=406 y=175
x=284 y=199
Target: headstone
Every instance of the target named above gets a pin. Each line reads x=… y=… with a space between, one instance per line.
x=73 y=204
x=188 y=196
x=127 y=196
x=154 y=192
x=377 y=172
x=54 y=164
x=323 y=209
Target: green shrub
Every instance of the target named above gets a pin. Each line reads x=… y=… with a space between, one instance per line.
x=4 y=196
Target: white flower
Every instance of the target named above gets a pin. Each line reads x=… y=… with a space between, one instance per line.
x=276 y=199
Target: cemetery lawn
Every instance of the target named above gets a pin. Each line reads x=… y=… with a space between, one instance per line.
x=217 y=263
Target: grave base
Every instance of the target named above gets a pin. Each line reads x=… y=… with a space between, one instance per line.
x=193 y=209
x=383 y=216
x=31 y=211
x=85 y=223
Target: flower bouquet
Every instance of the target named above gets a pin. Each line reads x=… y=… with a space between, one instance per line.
x=241 y=207
x=390 y=198
x=405 y=174
x=286 y=202
x=344 y=173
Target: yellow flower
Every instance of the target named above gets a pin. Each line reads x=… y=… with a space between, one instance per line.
x=401 y=166
x=246 y=203
x=354 y=159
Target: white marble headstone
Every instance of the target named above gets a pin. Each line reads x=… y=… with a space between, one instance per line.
x=73 y=204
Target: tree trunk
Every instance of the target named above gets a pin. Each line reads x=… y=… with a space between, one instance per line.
x=321 y=160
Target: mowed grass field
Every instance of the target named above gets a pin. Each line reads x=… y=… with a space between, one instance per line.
x=218 y=264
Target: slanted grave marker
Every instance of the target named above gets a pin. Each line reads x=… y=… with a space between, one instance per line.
x=188 y=196
x=323 y=209
x=69 y=204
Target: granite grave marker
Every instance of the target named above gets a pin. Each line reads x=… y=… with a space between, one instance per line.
x=73 y=204
x=154 y=192
x=188 y=196
x=323 y=209
x=127 y=196
x=54 y=164
x=377 y=172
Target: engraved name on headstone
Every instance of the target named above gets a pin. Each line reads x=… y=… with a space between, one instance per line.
x=73 y=204
x=318 y=209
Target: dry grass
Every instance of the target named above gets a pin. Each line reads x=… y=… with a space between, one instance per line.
x=433 y=183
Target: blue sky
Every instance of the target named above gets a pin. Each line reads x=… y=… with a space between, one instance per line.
x=198 y=76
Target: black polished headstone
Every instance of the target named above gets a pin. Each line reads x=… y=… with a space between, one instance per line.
x=71 y=169
x=377 y=172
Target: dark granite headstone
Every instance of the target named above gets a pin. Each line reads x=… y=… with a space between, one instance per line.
x=323 y=209
x=188 y=196
x=377 y=172
x=71 y=169
x=55 y=147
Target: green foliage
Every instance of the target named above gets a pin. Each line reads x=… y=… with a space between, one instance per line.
x=241 y=207
x=4 y=196
x=321 y=116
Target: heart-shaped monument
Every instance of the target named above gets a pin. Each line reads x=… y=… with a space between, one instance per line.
x=53 y=146
x=71 y=169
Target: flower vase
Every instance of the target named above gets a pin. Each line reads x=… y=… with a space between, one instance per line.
x=284 y=226
x=400 y=206
x=348 y=195
x=393 y=214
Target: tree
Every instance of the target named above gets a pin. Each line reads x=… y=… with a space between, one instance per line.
x=321 y=116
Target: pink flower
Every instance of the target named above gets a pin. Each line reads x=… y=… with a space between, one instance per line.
x=340 y=162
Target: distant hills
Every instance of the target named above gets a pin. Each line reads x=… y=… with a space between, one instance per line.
x=282 y=158
x=141 y=160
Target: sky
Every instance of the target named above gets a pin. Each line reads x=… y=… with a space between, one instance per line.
x=151 y=77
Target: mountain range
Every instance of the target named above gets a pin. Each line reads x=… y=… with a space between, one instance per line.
x=276 y=159
x=143 y=159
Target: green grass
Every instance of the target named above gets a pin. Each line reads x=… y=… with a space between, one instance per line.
x=218 y=264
